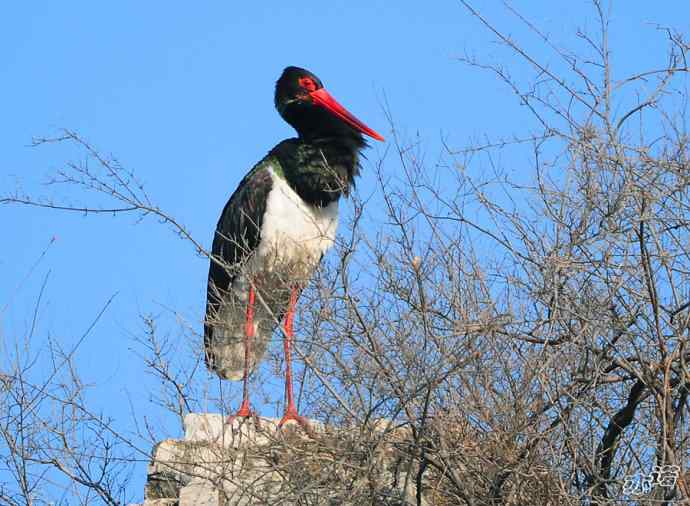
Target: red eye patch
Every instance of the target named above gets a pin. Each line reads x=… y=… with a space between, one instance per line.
x=307 y=83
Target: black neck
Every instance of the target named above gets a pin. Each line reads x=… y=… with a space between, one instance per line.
x=320 y=169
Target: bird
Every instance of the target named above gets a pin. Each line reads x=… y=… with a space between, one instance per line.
x=274 y=231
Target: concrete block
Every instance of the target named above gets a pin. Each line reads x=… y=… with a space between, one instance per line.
x=212 y=428
x=200 y=493
x=160 y=502
x=250 y=462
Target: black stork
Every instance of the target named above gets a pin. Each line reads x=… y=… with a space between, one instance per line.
x=275 y=229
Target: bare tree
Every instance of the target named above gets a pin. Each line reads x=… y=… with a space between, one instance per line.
x=500 y=340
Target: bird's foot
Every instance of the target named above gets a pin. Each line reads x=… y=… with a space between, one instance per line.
x=291 y=415
x=244 y=412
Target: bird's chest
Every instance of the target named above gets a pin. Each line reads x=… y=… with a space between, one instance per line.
x=294 y=234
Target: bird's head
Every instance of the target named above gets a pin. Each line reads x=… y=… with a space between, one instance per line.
x=303 y=102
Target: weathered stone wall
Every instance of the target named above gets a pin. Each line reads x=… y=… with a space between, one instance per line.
x=252 y=462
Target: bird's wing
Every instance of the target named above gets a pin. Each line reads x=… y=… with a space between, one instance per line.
x=237 y=234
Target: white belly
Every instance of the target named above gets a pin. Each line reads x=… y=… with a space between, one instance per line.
x=293 y=231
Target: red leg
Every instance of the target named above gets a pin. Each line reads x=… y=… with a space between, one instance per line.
x=245 y=411
x=290 y=409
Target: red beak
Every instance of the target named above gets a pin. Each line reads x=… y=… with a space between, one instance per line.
x=324 y=99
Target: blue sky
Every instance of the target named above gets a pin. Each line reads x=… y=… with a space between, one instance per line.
x=182 y=94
